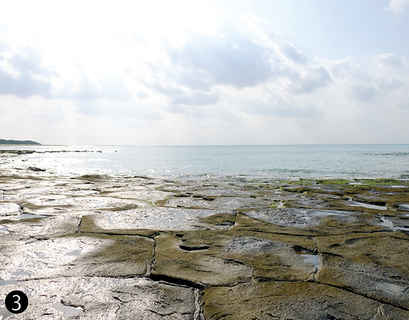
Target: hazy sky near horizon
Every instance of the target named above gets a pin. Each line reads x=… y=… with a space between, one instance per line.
x=205 y=72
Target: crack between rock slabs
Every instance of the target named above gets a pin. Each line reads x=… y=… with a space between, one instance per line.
x=365 y=296
x=152 y=237
x=79 y=226
x=177 y=281
x=116 y=312
x=198 y=315
x=121 y=301
x=317 y=251
x=235 y=212
x=250 y=231
x=162 y=315
x=152 y=262
x=315 y=245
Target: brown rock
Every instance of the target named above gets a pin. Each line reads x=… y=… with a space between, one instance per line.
x=370 y=264
x=292 y=300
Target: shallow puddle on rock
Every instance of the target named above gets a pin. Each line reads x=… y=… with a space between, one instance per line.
x=46 y=258
x=299 y=218
x=278 y=205
x=7 y=282
x=386 y=223
x=4 y=314
x=406 y=229
x=110 y=219
x=310 y=258
x=155 y=218
x=389 y=224
x=29 y=216
x=251 y=245
x=403 y=206
x=366 y=205
x=21 y=273
x=391 y=288
x=75 y=253
x=3 y=228
x=68 y=311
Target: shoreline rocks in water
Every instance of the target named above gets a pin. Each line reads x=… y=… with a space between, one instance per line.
x=20 y=152
x=95 y=246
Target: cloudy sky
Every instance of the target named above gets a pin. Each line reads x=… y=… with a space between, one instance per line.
x=205 y=72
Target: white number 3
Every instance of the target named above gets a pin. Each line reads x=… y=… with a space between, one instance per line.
x=17 y=302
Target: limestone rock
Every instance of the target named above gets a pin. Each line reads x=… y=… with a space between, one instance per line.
x=292 y=300
x=102 y=298
x=370 y=264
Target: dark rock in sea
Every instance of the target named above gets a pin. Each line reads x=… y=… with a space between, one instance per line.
x=19 y=152
x=35 y=169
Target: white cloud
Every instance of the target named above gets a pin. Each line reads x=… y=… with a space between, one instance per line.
x=195 y=73
x=226 y=58
x=398 y=5
x=268 y=37
x=202 y=83
x=361 y=85
x=308 y=79
x=390 y=60
x=22 y=73
x=289 y=64
x=386 y=83
x=115 y=110
x=196 y=99
x=281 y=108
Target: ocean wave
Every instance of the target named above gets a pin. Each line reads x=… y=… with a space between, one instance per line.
x=396 y=154
x=288 y=170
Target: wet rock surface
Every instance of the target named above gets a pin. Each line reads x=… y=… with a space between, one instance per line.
x=293 y=300
x=103 y=298
x=94 y=246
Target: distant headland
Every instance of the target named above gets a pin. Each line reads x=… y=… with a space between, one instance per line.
x=25 y=142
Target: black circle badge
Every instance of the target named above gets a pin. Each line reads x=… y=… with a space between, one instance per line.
x=16 y=302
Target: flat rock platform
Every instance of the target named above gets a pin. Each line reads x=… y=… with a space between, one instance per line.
x=103 y=247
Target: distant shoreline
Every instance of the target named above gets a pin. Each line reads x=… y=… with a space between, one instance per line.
x=14 y=145
x=19 y=142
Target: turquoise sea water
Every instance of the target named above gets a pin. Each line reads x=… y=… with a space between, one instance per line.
x=302 y=161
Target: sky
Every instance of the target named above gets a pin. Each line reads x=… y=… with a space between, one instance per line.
x=204 y=72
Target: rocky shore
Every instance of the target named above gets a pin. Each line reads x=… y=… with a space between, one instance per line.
x=100 y=247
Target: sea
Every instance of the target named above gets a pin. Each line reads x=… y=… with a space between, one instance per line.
x=214 y=161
